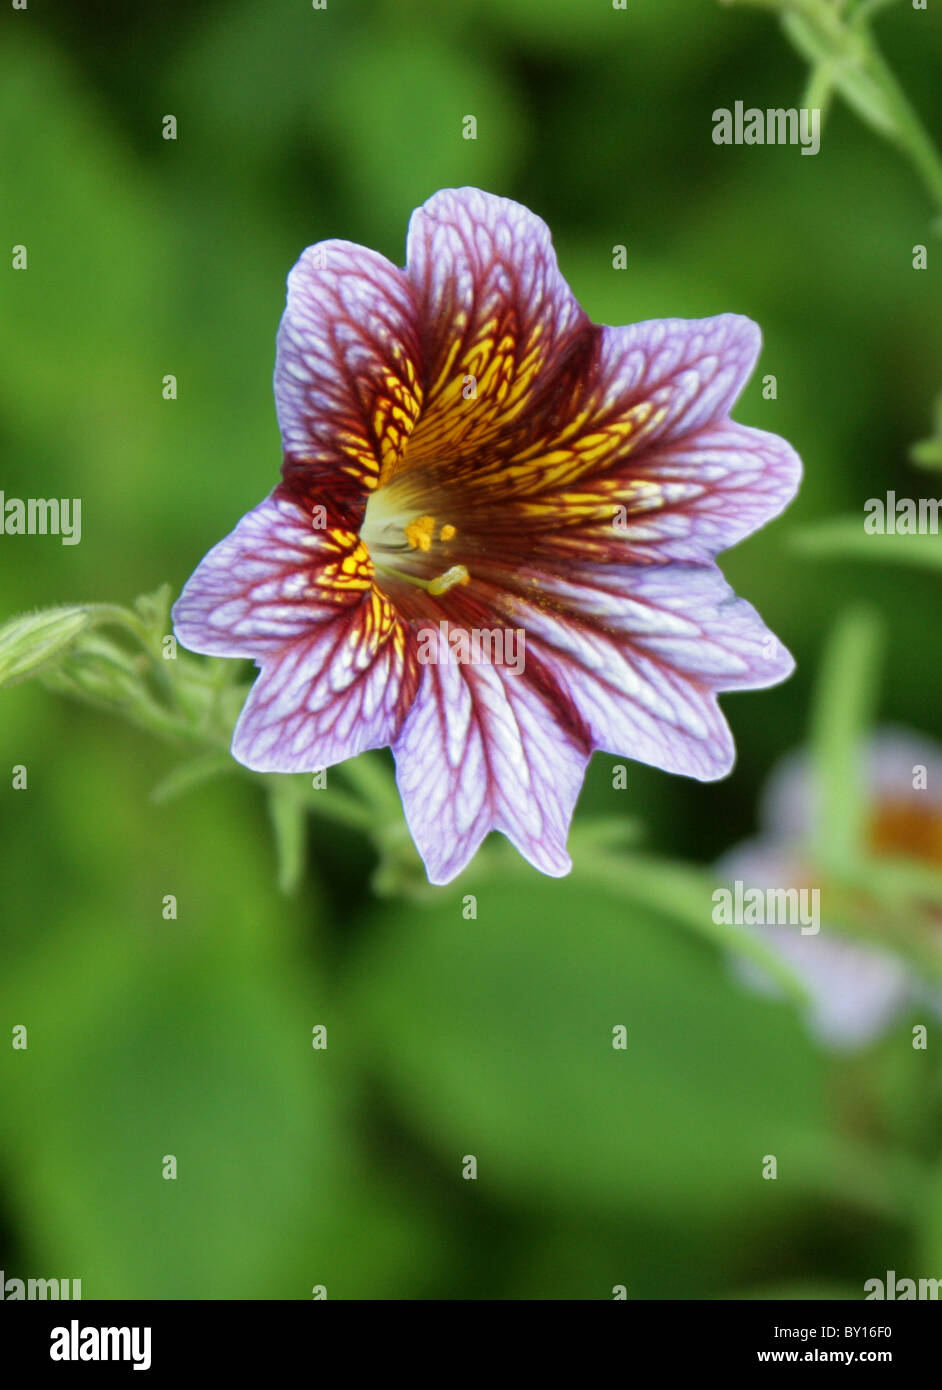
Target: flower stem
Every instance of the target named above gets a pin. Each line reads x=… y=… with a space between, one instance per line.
x=838 y=44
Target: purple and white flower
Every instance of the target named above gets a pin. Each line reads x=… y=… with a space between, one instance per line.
x=463 y=447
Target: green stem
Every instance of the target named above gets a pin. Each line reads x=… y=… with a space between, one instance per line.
x=843 y=53
x=844 y=704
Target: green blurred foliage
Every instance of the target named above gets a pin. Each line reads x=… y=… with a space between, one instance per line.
x=447 y=1036
x=523 y=1056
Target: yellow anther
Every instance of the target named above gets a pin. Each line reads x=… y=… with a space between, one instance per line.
x=447 y=532
x=443 y=582
x=420 y=533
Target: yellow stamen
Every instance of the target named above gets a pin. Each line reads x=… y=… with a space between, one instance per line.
x=420 y=533
x=443 y=582
x=447 y=532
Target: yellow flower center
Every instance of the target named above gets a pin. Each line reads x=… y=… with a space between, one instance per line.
x=900 y=828
x=397 y=541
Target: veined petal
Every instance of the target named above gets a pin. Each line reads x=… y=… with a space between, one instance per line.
x=273 y=579
x=683 y=500
x=336 y=670
x=662 y=380
x=494 y=307
x=330 y=695
x=346 y=373
x=708 y=490
x=482 y=750
x=640 y=653
x=674 y=376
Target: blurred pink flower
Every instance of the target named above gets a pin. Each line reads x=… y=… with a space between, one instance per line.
x=856 y=990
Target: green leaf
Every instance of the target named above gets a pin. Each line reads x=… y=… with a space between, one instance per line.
x=494 y=1036
x=685 y=894
x=165 y=1041
x=682 y=892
